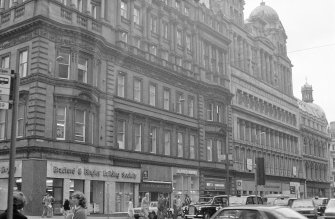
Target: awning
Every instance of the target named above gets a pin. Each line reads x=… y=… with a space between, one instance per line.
x=164 y=187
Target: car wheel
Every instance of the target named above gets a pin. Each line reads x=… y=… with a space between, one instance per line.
x=207 y=215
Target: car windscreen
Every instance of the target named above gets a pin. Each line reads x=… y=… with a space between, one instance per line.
x=331 y=203
x=237 y=200
x=303 y=204
x=285 y=213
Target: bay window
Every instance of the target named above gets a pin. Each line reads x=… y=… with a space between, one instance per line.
x=209 y=149
x=124 y=9
x=152 y=95
x=63 y=59
x=82 y=69
x=153 y=140
x=121 y=85
x=192 y=146
x=166 y=97
x=137 y=90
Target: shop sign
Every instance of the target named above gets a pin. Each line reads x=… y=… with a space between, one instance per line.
x=4 y=169
x=186 y=172
x=93 y=172
x=156 y=187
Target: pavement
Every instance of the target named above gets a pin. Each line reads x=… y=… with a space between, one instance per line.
x=88 y=217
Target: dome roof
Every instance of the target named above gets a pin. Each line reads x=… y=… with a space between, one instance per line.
x=264 y=12
x=312 y=109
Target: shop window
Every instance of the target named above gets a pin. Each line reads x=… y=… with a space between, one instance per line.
x=5 y=62
x=55 y=188
x=121 y=133
x=23 y=63
x=192 y=146
x=180 y=141
x=80 y=117
x=82 y=69
x=166 y=104
x=137 y=90
x=153 y=140
x=152 y=95
x=4 y=191
x=97 y=195
x=76 y=185
x=121 y=80
x=2 y=124
x=167 y=142
x=138 y=137
x=63 y=60
x=61 y=122
x=123 y=193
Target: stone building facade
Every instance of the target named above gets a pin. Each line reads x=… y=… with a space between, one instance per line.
x=117 y=98
x=315 y=140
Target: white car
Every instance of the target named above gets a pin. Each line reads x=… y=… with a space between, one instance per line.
x=330 y=209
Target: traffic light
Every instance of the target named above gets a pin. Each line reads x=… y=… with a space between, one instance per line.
x=260 y=171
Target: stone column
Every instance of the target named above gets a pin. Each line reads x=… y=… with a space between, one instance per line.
x=110 y=197
x=103 y=8
x=259 y=64
x=87 y=190
x=235 y=50
x=66 y=189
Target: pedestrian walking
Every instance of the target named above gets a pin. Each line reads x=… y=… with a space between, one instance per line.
x=19 y=201
x=45 y=204
x=50 y=206
x=161 y=207
x=78 y=200
x=66 y=208
x=145 y=205
x=130 y=209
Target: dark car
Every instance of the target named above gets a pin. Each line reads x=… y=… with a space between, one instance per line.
x=305 y=207
x=206 y=209
x=321 y=204
x=257 y=212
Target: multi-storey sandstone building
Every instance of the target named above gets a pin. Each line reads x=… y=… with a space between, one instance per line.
x=119 y=98
x=264 y=110
x=315 y=140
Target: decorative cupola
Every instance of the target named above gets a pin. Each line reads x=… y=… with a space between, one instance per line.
x=307 y=93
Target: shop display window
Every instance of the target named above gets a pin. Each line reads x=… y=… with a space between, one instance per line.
x=97 y=195
x=4 y=191
x=76 y=185
x=124 y=191
x=55 y=188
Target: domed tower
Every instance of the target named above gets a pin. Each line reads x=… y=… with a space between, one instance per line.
x=264 y=22
x=307 y=93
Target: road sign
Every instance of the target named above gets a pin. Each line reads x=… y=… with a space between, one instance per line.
x=5 y=84
x=4 y=105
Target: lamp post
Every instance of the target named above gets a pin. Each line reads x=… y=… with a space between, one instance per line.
x=256 y=184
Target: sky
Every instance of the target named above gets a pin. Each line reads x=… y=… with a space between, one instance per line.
x=310 y=30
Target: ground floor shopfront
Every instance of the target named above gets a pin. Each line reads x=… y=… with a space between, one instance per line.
x=108 y=189
x=246 y=186
x=320 y=189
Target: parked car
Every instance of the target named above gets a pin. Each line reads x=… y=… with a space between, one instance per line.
x=206 y=209
x=330 y=209
x=305 y=207
x=284 y=201
x=321 y=204
x=256 y=212
x=245 y=200
x=152 y=210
